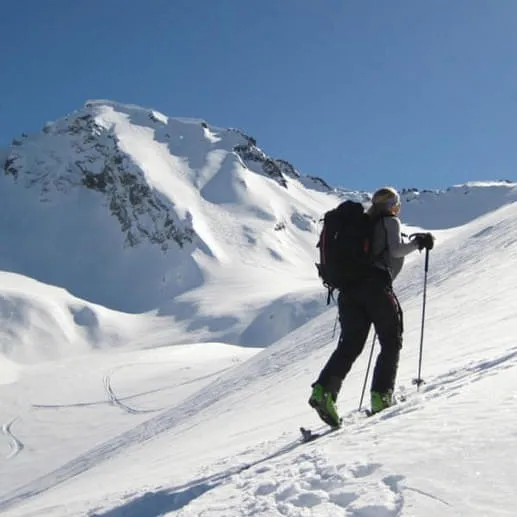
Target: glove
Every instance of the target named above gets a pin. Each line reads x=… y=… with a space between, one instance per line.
x=424 y=240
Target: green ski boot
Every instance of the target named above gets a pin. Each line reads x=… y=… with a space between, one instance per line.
x=323 y=402
x=381 y=401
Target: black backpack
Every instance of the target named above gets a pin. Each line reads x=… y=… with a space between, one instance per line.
x=345 y=246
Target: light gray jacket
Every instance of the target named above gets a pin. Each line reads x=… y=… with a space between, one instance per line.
x=388 y=245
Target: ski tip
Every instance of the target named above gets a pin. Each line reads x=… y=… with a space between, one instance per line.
x=306 y=435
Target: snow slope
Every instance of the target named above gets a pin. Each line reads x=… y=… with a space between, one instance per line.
x=211 y=430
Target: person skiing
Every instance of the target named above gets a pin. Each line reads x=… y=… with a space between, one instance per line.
x=368 y=300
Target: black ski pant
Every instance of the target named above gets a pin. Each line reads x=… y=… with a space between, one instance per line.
x=359 y=306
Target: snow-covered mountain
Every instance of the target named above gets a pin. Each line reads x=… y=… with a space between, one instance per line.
x=120 y=209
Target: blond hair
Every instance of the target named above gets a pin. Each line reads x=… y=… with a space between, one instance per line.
x=385 y=200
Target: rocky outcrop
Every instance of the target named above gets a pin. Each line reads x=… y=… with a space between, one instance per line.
x=78 y=152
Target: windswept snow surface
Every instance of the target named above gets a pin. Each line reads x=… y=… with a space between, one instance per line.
x=212 y=430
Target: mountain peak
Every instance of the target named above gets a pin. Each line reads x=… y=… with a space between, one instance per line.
x=111 y=177
x=103 y=147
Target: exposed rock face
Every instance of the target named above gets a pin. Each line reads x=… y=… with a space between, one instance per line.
x=77 y=152
x=249 y=152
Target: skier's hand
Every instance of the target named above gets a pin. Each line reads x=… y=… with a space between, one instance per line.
x=423 y=240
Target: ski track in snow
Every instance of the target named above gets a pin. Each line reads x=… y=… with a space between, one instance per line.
x=100 y=453
x=453 y=381
x=15 y=445
x=116 y=401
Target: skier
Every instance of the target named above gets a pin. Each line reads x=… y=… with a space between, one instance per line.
x=366 y=301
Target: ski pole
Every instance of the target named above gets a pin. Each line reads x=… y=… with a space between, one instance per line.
x=335 y=325
x=367 y=372
x=418 y=381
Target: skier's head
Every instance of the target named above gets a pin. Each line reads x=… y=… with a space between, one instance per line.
x=386 y=200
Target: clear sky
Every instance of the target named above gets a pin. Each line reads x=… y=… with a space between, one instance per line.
x=360 y=92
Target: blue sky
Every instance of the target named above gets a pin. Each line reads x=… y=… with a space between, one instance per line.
x=360 y=92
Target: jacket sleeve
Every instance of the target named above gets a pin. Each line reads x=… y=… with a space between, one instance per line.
x=396 y=246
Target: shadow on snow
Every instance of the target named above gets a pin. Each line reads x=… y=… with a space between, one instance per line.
x=162 y=501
